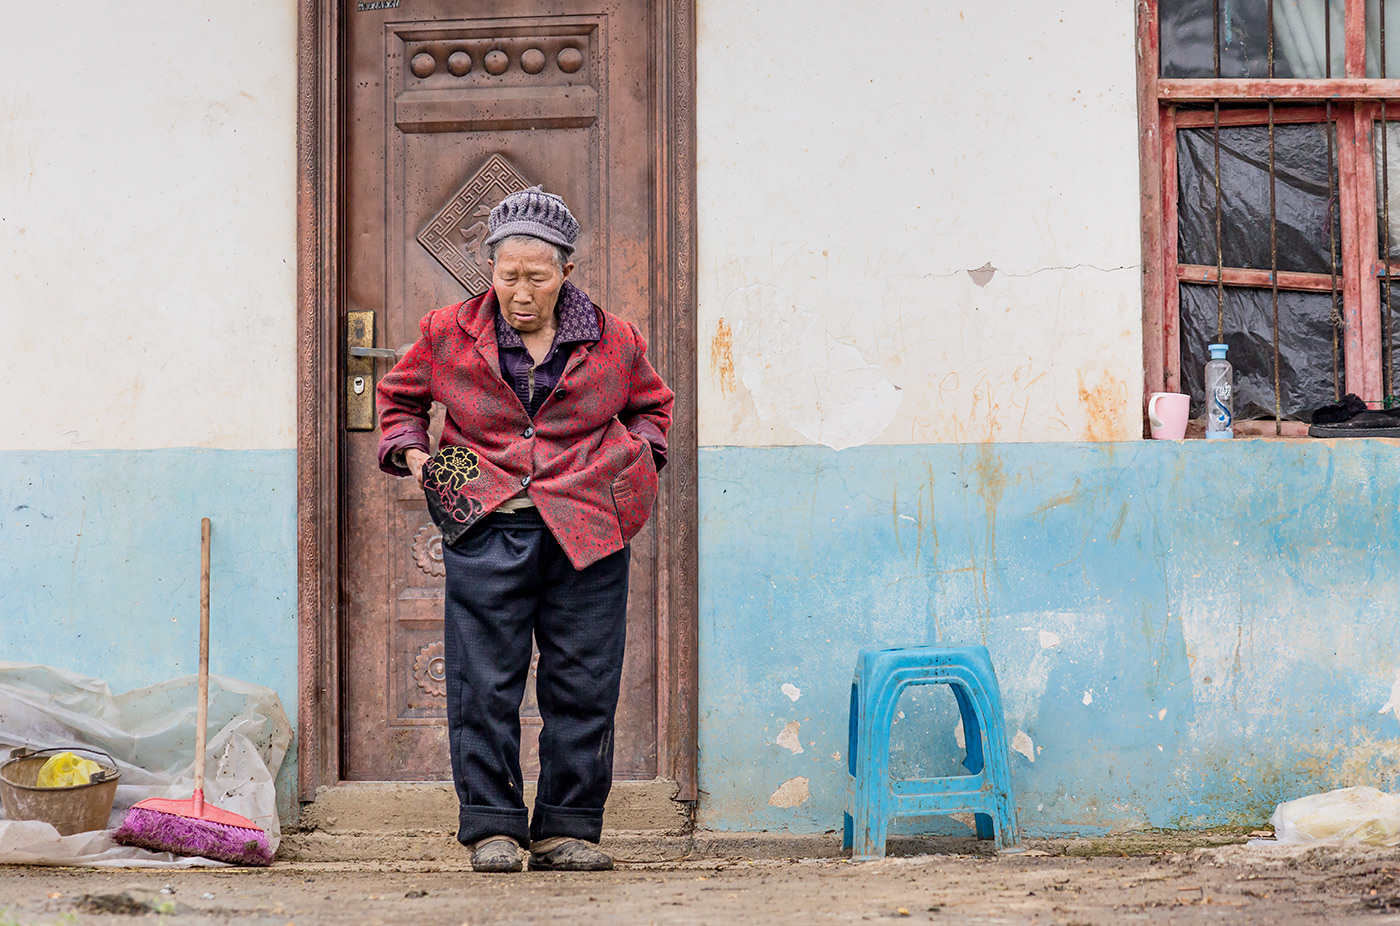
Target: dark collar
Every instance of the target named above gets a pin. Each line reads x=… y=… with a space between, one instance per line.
x=578 y=321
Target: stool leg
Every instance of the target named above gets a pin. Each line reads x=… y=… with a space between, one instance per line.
x=1002 y=823
x=870 y=815
x=852 y=751
x=869 y=841
x=972 y=729
x=975 y=761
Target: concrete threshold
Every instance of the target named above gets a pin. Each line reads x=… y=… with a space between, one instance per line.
x=395 y=807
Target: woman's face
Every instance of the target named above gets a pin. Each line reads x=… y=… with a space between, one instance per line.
x=527 y=283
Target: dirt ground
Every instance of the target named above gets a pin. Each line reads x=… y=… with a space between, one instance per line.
x=1229 y=884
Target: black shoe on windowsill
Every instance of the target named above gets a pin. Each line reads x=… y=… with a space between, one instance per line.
x=1349 y=407
x=1365 y=423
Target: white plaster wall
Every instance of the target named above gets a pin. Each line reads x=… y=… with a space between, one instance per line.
x=856 y=161
x=147 y=224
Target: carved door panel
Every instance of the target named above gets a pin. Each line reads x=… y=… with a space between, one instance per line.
x=449 y=106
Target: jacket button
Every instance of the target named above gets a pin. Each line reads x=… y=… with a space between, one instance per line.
x=560 y=393
x=528 y=432
x=524 y=481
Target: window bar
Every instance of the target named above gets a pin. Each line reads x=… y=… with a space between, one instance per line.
x=1273 y=236
x=1332 y=246
x=1388 y=316
x=1331 y=202
x=1219 y=243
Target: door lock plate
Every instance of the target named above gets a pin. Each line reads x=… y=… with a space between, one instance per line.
x=359 y=372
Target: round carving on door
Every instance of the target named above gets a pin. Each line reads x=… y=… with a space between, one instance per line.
x=430 y=670
x=570 y=60
x=496 y=62
x=427 y=551
x=459 y=63
x=532 y=61
x=423 y=65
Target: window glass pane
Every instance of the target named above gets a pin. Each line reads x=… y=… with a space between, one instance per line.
x=1300 y=37
x=1306 y=371
x=1373 y=38
x=1388 y=184
x=1302 y=208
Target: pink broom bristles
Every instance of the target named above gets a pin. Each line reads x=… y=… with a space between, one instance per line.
x=196 y=829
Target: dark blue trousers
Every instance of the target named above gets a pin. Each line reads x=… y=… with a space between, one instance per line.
x=508 y=579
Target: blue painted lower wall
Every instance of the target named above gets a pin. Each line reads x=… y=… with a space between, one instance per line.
x=99 y=566
x=1187 y=633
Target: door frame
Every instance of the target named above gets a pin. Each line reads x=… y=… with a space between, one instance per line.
x=319 y=378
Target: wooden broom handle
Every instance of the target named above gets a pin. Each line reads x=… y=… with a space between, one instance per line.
x=202 y=718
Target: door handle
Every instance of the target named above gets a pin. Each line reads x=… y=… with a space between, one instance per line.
x=382 y=353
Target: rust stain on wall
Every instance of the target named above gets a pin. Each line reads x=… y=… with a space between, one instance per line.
x=722 y=357
x=1102 y=406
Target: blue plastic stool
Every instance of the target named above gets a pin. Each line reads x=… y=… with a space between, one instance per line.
x=874 y=799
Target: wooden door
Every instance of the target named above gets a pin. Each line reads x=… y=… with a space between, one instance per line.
x=449 y=106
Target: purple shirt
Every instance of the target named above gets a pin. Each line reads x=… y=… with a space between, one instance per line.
x=533 y=382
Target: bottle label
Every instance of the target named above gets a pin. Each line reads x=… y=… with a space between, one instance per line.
x=1220 y=416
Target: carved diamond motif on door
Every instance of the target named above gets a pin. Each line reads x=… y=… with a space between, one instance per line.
x=456 y=235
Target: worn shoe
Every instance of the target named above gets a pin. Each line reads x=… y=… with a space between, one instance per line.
x=496 y=853
x=569 y=855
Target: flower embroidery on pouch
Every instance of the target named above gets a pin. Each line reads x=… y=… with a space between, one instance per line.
x=455 y=467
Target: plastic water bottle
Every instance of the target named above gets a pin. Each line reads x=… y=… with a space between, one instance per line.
x=1220 y=394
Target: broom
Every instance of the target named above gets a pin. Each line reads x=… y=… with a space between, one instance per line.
x=193 y=827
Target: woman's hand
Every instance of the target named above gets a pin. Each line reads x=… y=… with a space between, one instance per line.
x=414 y=460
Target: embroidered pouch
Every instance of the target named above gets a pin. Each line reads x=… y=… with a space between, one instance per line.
x=446 y=478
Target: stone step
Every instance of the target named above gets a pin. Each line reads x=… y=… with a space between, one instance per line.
x=394 y=807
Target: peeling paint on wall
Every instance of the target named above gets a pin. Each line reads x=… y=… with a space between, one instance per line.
x=1022 y=743
x=792 y=691
x=791 y=793
x=983 y=274
x=788 y=738
x=798 y=374
x=1049 y=639
x=1393 y=705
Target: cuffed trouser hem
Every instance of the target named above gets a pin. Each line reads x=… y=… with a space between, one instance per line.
x=477 y=823
x=549 y=822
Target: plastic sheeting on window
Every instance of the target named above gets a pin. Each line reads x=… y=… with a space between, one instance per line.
x=1300 y=38
x=150 y=734
x=1301 y=205
x=1388 y=184
x=1306 y=373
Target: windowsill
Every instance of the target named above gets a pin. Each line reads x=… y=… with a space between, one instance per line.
x=1196 y=429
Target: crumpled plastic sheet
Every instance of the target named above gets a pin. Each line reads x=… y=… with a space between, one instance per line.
x=150 y=734
x=1348 y=816
x=1308 y=373
x=1302 y=211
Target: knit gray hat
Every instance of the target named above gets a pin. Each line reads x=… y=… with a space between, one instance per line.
x=535 y=213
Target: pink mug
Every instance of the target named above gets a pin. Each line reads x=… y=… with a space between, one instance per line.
x=1167 y=413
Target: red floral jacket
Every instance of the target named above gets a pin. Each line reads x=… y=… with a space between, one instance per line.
x=584 y=460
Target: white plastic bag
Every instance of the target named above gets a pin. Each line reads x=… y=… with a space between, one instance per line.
x=150 y=734
x=1348 y=816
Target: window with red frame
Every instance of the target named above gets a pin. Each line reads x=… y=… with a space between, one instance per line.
x=1271 y=145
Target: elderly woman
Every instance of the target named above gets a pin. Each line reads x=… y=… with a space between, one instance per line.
x=556 y=427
